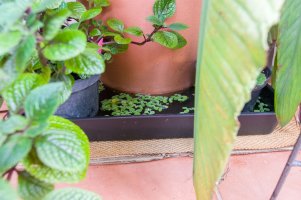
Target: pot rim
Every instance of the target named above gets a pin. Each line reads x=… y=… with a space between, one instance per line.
x=82 y=84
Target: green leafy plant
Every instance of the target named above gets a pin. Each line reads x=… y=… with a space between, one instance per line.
x=261 y=79
x=261 y=106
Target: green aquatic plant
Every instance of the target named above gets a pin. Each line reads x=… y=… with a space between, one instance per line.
x=261 y=106
x=187 y=110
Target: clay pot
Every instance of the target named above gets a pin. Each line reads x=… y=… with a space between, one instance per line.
x=153 y=69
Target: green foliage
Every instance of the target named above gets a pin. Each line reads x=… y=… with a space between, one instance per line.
x=261 y=79
x=155 y=20
x=6 y=191
x=89 y=14
x=186 y=110
x=76 y=8
x=116 y=25
x=134 y=31
x=121 y=40
x=8 y=41
x=164 y=8
x=72 y=194
x=177 y=26
x=165 y=38
x=261 y=106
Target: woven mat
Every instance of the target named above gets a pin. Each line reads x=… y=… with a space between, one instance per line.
x=109 y=152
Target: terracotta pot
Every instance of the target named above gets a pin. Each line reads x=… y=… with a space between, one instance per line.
x=153 y=69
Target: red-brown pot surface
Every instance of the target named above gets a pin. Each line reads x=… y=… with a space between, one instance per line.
x=151 y=68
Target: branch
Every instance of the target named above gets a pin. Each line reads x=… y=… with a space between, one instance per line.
x=149 y=38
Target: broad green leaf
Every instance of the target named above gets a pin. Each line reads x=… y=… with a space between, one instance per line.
x=63 y=148
x=95 y=32
x=155 y=20
x=116 y=25
x=68 y=81
x=72 y=194
x=164 y=8
x=31 y=188
x=121 y=40
x=89 y=62
x=13 y=151
x=102 y=3
x=181 y=40
x=54 y=22
x=12 y=124
x=76 y=8
x=40 y=5
x=177 y=26
x=43 y=101
x=223 y=85
x=24 y=52
x=116 y=48
x=134 y=31
x=8 y=41
x=74 y=25
x=15 y=94
x=166 y=39
x=66 y=44
x=288 y=90
x=89 y=14
x=6 y=191
x=36 y=128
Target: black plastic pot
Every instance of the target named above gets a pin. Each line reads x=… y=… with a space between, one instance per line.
x=84 y=100
x=249 y=107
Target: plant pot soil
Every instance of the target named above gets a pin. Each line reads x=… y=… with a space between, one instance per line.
x=84 y=99
x=151 y=68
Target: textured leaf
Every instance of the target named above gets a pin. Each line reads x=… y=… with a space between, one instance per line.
x=18 y=91
x=12 y=124
x=76 y=8
x=177 y=26
x=13 y=151
x=89 y=14
x=95 y=32
x=166 y=39
x=40 y=5
x=6 y=191
x=54 y=23
x=72 y=194
x=8 y=41
x=31 y=188
x=228 y=64
x=134 y=31
x=164 y=8
x=102 y=3
x=68 y=81
x=121 y=40
x=89 y=62
x=288 y=90
x=43 y=101
x=181 y=40
x=66 y=44
x=116 y=25
x=155 y=20
x=24 y=52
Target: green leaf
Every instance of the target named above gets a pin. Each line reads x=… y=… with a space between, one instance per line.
x=72 y=194
x=31 y=188
x=35 y=129
x=8 y=41
x=102 y=3
x=13 y=151
x=24 y=52
x=164 y=9
x=134 y=31
x=117 y=48
x=166 y=39
x=95 y=32
x=66 y=44
x=181 y=40
x=68 y=81
x=177 y=26
x=6 y=191
x=54 y=23
x=89 y=14
x=121 y=40
x=76 y=8
x=288 y=91
x=116 y=25
x=155 y=20
x=15 y=94
x=223 y=85
x=40 y=5
x=89 y=62
x=43 y=101
x=12 y=124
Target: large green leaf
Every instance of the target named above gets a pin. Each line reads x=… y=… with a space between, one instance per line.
x=134 y=31
x=76 y=8
x=288 y=90
x=31 y=188
x=13 y=151
x=229 y=61
x=12 y=124
x=40 y=5
x=6 y=191
x=116 y=25
x=24 y=52
x=72 y=194
x=65 y=45
x=121 y=40
x=8 y=41
x=88 y=62
x=165 y=38
x=164 y=8
x=89 y=14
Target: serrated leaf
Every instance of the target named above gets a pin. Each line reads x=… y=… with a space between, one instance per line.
x=54 y=23
x=8 y=41
x=31 y=188
x=13 y=151
x=15 y=94
x=177 y=26
x=116 y=25
x=223 y=85
x=6 y=191
x=12 y=124
x=62 y=149
x=166 y=39
x=102 y=3
x=288 y=90
x=89 y=14
x=164 y=9
x=43 y=101
x=155 y=20
x=24 y=52
x=76 y=8
x=66 y=44
x=181 y=40
x=89 y=62
x=72 y=194
x=121 y=40
x=40 y=5
x=134 y=31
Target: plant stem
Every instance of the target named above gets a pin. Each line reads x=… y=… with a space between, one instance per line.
x=9 y=173
x=149 y=38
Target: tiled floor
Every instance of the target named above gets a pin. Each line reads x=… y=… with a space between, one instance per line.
x=250 y=177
